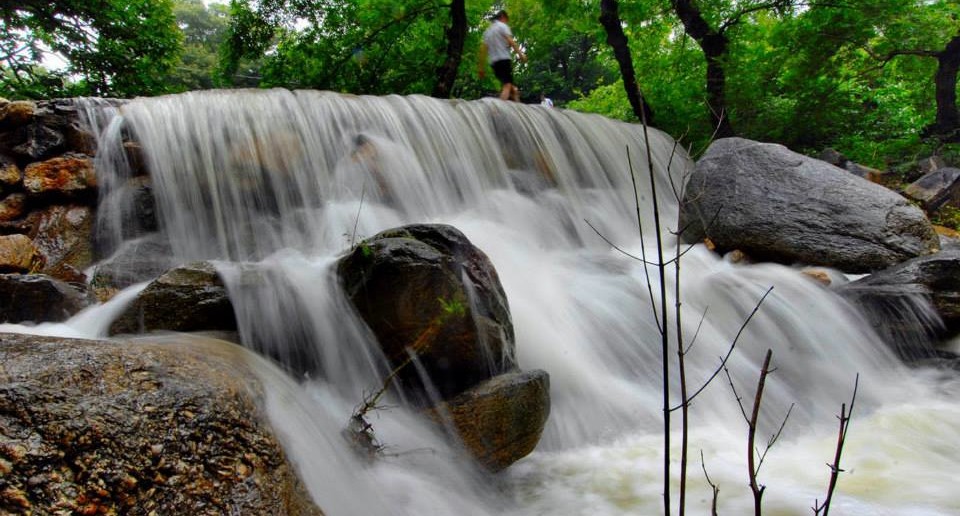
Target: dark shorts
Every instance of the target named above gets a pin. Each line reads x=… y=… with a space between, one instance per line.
x=503 y=69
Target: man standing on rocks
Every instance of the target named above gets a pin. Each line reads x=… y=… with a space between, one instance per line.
x=497 y=42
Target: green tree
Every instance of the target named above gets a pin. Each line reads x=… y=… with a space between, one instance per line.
x=204 y=28
x=362 y=46
x=110 y=47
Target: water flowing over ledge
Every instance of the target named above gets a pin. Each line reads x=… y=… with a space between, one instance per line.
x=289 y=180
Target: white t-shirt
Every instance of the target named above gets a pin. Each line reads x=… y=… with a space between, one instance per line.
x=495 y=37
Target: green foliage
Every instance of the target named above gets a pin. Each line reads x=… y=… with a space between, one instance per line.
x=204 y=29
x=453 y=308
x=110 y=47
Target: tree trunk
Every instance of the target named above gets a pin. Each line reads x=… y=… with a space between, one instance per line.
x=610 y=19
x=456 y=36
x=947 y=124
x=714 y=45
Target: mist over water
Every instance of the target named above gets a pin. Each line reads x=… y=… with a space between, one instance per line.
x=275 y=185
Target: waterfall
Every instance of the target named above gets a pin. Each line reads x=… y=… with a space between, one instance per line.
x=284 y=182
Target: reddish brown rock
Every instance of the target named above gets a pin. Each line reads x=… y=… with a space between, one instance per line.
x=69 y=174
x=63 y=235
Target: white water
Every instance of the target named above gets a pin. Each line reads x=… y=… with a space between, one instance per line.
x=275 y=179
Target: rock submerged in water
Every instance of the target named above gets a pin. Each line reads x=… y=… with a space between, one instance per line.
x=894 y=302
x=781 y=206
x=500 y=420
x=95 y=427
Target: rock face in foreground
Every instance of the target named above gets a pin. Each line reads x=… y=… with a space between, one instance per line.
x=92 y=427
x=777 y=205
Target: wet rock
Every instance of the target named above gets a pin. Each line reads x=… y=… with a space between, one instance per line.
x=777 y=205
x=63 y=235
x=18 y=254
x=191 y=297
x=426 y=290
x=134 y=204
x=136 y=261
x=899 y=300
x=936 y=188
x=94 y=427
x=500 y=420
x=67 y=174
x=13 y=207
x=37 y=298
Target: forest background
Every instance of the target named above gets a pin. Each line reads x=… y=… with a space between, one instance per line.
x=874 y=79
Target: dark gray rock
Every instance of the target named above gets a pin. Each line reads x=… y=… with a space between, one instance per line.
x=37 y=298
x=936 y=188
x=191 y=297
x=777 y=205
x=95 y=427
x=913 y=305
x=426 y=289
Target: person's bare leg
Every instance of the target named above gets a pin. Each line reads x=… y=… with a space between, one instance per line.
x=506 y=91
x=514 y=93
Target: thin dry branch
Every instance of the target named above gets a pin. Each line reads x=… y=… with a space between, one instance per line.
x=713 y=487
x=755 y=487
x=841 y=440
x=726 y=357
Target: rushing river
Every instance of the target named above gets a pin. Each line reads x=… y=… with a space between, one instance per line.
x=290 y=180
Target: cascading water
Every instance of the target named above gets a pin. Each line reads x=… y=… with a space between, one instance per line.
x=284 y=182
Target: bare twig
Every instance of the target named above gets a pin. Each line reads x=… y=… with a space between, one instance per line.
x=756 y=488
x=726 y=357
x=356 y=220
x=841 y=439
x=713 y=487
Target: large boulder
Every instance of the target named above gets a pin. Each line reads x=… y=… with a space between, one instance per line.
x=425 y=290
x=898 y=301
x=781 y=206
x=500 y=420
x=191 y=297
x=94 y=427
x=37 y=298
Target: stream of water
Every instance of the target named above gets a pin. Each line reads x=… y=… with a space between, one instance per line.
x=289 y=180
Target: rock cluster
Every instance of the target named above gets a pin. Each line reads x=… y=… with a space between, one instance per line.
x=48 y=192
